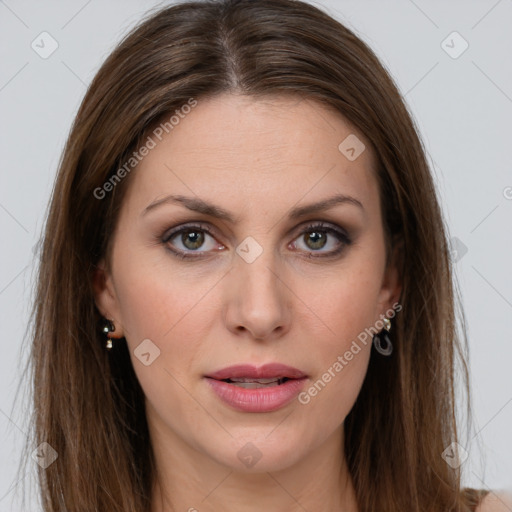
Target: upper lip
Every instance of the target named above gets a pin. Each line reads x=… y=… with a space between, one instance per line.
x=267 y=371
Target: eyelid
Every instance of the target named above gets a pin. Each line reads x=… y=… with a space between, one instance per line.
x=344 y=239
x=168 y=234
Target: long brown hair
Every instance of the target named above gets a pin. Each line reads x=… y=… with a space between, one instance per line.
x=88 y=404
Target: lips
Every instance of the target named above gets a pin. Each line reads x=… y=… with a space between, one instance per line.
x=254 y=389
x=264 y=374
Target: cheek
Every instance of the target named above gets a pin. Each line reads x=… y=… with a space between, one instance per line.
x=342 y=359
x=330 y=397
x=156 y=298
x=174 y=311
x=163 y=309
x=346 y=305
x=343 y=345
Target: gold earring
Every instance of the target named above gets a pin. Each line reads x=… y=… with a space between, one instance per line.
x=108 y=328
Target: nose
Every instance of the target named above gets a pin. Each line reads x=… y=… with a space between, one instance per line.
x=258 y=301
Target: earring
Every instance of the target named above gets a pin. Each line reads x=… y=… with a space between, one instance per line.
x=383 y=336
x=109 y=327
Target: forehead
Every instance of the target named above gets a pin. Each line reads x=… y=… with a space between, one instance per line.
x=256 y=151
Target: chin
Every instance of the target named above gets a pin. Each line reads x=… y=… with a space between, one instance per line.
x=260 y=452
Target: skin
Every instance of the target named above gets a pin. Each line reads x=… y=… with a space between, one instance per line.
x=258 y=159
x=496 y=502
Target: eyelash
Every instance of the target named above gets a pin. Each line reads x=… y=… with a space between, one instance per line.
x=318 y=226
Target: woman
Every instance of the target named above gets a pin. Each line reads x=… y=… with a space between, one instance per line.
x=245 y=298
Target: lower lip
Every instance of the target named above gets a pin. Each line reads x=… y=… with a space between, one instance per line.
x=266 y=399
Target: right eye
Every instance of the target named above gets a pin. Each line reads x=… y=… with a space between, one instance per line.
x=187 y=240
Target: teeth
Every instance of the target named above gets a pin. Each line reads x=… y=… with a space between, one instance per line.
x=260 y=381
x=256 y=383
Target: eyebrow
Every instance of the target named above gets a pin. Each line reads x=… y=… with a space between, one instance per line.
x=201 y=206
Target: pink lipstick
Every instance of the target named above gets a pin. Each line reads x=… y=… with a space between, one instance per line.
x=257 y=389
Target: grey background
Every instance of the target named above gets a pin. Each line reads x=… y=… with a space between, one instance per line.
x=463 y=108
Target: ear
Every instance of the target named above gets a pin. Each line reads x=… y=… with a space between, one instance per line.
x=391 y=289
x=105 y=297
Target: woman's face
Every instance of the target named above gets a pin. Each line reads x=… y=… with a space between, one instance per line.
x=262 y=284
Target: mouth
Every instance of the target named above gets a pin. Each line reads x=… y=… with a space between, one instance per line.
x=256 y=384
x=268 y=374
x=257 y=389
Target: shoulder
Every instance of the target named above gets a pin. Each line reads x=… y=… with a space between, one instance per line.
x=498 y=501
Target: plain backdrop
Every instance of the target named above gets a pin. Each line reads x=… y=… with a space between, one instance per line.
x=458 y=88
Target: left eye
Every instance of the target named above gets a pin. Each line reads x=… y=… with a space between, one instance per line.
x=319 y=237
